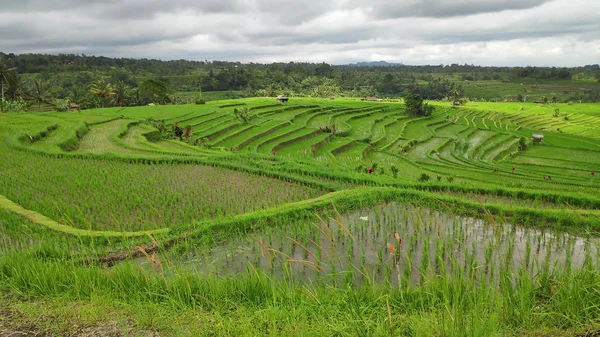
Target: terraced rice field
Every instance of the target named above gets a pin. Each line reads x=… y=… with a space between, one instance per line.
x=316 y=212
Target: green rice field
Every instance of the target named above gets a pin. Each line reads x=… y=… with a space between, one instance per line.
x=335 y=217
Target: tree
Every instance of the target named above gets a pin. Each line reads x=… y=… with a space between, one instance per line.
x=104 y=91
x=121 y=95
x=415 y=106
x=154 y=91
x=14 y=90
x=242 y=114
x=6 y=77
x=136 y=97
x=38 y=93
x=324 y=69
x=80 y=97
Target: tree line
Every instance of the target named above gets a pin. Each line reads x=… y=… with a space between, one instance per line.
x=30 y=80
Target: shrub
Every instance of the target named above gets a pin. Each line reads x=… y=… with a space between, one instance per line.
x=522 y=143
x=242 y=114
x=201 y=101
x=415 y=106
x=424 y=177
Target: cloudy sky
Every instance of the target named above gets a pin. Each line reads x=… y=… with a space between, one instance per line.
x=483 y=32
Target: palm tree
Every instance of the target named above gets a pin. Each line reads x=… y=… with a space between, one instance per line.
x=38 y=93
x=15 y=86
x=136 y=98
x=121 y=93
x=6 y=76
x=104 y=91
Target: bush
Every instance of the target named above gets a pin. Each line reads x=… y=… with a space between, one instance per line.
x=201 y=101
x=424 y=177
x=243 y=114
x=415 y=106
x=522 y=143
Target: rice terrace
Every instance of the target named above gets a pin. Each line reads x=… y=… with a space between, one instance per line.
x=313 y=216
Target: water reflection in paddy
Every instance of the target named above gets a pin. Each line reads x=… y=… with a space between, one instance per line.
x=396 y=243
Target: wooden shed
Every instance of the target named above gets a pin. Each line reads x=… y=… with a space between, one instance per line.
x=282 y=99
x=537 y=137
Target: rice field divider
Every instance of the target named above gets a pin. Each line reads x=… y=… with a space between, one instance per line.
x=44 y=221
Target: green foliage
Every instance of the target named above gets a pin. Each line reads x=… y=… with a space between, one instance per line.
x=12 y=105
x=415 y=106
x=60 y=104
x=394 y=171
x=242 y=114
x=523 y=143
x=103 y=91
x=154 y=91
x=424 y=177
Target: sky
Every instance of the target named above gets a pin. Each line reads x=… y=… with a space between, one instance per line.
x=415 y=32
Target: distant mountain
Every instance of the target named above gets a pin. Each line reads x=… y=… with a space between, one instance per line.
x=375 y=64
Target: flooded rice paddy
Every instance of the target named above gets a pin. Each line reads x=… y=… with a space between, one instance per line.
x=396 y=243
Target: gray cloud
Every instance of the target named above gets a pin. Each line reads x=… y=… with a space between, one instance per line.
x=564 y=32
x=446 y=8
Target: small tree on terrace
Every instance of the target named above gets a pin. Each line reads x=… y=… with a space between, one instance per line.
x=243 y=114
x=415 y=106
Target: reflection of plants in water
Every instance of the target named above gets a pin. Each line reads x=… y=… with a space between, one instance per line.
x=366 y=247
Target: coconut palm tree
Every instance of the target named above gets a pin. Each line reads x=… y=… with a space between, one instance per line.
x=6 y=77
x=38 y=93
x=121 y=94
x=136 y=98
x=104 y=91
x=15 y=86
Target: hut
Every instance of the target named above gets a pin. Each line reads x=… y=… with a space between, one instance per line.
x=282 y=99
x=74 y=107
x=537 y=137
